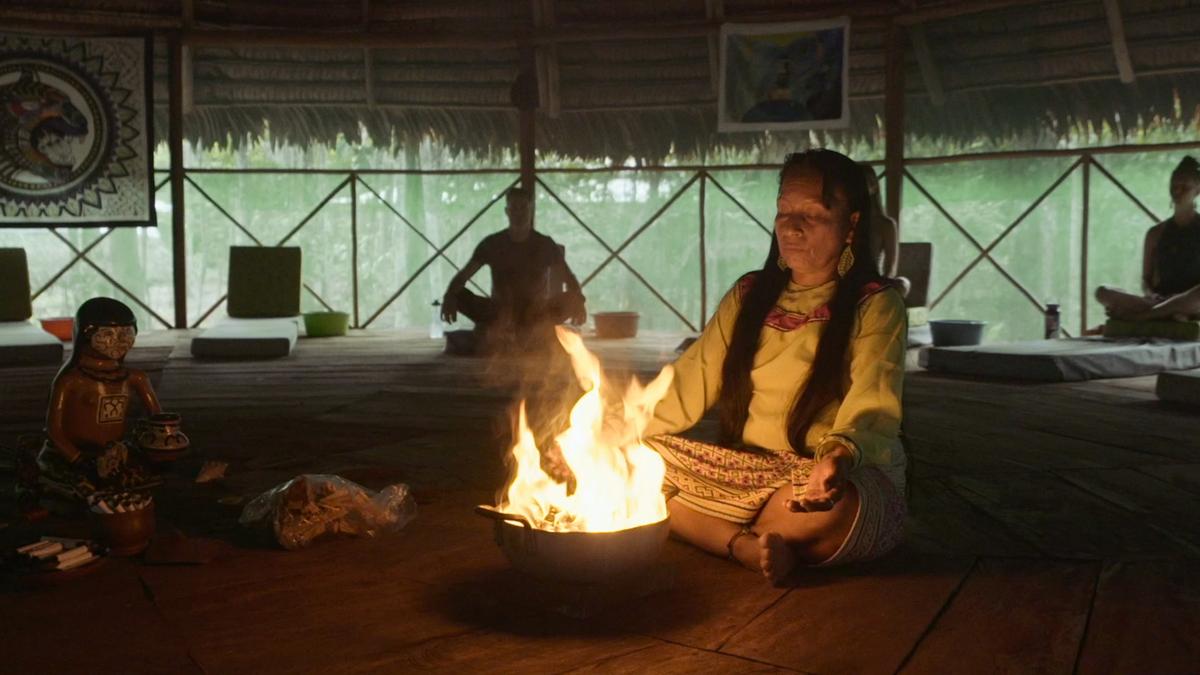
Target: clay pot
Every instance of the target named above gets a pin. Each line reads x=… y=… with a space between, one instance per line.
x=61 y=327
x=160 y=437
x=125 y=534
x=615 y=325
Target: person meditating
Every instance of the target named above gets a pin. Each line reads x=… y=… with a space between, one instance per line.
x=885 y=234
x=528 y=272
x=804 y=361
x=1170 y=260
x=86 y=450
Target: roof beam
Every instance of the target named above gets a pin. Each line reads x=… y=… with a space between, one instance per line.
x=547 y=58
x=187 y=72
x=929 y=69
x=948 y=9
x=714 y=12
x=1116 y=29
x=368 y=57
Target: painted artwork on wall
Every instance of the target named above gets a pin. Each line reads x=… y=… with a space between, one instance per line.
x=76 y=145
x=786 y=76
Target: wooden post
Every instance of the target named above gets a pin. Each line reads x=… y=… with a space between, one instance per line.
x=175 y=145
x=703 y=257
x=354 y=241
x=1084 y=294
x=528 y=129
x=894 y=119
x=525 y=98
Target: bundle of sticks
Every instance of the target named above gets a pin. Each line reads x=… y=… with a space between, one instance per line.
x=119 y=502
x=57 y=553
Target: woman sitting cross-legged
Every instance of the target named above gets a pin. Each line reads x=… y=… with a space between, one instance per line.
x=1170 y=260
x=804 y=360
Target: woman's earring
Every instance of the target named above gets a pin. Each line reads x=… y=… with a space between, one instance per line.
x=782 y=263
x=846 y=261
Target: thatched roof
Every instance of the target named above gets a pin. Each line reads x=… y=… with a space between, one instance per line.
x=1029 y=70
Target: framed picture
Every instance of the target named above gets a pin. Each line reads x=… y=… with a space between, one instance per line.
x=76 y=145
x=787 y=76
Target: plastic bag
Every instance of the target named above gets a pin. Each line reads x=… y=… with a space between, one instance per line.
x=313 y=505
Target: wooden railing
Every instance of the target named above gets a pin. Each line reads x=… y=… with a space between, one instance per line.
x=702 y=179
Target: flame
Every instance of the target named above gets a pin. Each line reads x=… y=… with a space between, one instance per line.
x=618 y=480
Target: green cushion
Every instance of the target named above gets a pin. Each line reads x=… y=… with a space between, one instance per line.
x=264 y=282
x=14 y=285
x=918 y=316
x=1168 y=330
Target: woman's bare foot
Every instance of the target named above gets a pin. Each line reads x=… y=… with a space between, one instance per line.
x=775 y=557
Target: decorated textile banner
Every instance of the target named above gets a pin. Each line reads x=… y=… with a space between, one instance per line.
x=785 y=75
x=76 y=145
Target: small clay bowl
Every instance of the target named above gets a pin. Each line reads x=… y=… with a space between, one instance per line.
x=127 y=533
x=616 y=325
x=61 y=327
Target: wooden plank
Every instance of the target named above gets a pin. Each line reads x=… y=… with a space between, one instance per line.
x=317 y=622
x=880 y=609
x=1094 y=413
x=1061 y=520
x=1011 y=616
x=1160 y=506
x=942 y=522
x=712 y=599
x=1145 y=619
x=1183 y=476
x=117 y=629
x=665 y=659
x=548 y=650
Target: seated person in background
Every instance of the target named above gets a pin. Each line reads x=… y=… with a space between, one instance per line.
x=885 y=234
x=1170 y=260
x=528 y=274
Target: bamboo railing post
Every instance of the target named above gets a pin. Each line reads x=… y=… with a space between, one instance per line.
x=354 y=242
x=703 y=256
x=1084 y=295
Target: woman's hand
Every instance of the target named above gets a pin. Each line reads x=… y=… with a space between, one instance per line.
x=826 y=483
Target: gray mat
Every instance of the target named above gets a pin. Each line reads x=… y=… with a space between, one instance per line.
x=1180 y=387
x=247 y=339
x=23 y=343
x=1064 y=360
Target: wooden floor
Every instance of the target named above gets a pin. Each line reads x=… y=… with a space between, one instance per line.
x=1053 y=529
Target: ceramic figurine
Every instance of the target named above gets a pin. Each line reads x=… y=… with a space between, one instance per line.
x=88 y=447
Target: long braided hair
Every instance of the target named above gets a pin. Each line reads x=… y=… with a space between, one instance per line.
x=842 y=179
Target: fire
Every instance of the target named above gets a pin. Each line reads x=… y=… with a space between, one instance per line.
x=618 y=480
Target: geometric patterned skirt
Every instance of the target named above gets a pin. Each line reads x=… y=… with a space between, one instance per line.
x=734 y=485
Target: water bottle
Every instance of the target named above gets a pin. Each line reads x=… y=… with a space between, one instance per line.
x=1053 y=322
x=436 y=332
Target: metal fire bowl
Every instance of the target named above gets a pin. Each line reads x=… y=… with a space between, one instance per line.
x=579 y=557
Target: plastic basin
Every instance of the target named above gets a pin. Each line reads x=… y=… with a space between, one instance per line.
x=957 y=332
x=326 y=324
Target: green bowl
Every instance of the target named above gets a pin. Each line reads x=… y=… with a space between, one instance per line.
x=326 y=324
